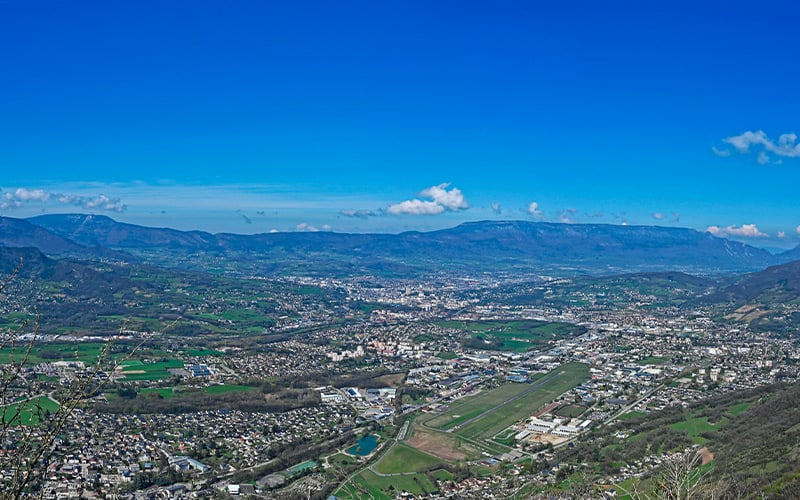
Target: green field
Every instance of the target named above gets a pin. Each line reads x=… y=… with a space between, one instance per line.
x=570 y=411
x=403 y=458
x=739 y=408
x=472 y=406
x=370 y=485
x=139 y=370
x=541 y=392
x=224 y=389
x=30 y=412
x=695 y=426
x=514 y=336
x=164 y=392
x=88 y=352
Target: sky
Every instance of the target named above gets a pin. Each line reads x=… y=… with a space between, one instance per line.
x=253 y=116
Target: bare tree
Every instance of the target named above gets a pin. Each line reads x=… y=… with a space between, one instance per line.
x=679 y=478
x=30 y=424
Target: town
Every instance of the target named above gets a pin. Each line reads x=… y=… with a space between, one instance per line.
x=471 y=389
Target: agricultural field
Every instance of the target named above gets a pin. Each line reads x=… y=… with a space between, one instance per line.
x=87 y=352
x=514 y=336
x=29 y=412
x=139 y=370
x=402 y=458
x=367 y=484
x=163 y=392
x=695 y=426
x=224 y=389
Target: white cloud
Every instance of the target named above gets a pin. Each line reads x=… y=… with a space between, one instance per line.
x=781 y=234
x=451 y=200
x=416 y=207
x=441 y=199
x=658 y=215
x=360 y=214
x=533 y=209
x=797 y=229
x=745 y=231
x=720 y=152
x=496 y=208
x=786 y=146
x=22 y=196
x=567 y=216
x=100 y=201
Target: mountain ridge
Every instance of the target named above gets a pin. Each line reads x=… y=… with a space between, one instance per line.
x=521 y=246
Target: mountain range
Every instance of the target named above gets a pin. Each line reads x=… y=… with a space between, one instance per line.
x=474 y=247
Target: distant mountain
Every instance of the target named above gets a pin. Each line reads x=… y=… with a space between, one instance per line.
x=790 y=255
x=21 y=233
x=103 y=231
x=515 y=246
x=774 y=285
x=82 y=279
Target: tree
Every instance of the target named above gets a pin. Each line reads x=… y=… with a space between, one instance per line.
x=33 y=415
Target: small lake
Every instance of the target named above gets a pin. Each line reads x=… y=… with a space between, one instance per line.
x=364 y=446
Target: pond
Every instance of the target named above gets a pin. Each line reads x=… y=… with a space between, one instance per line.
x=364 y=446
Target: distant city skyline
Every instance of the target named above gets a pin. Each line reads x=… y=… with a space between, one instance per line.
x=252 y=116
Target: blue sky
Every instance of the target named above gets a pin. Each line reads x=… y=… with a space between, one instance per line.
x=249 y=116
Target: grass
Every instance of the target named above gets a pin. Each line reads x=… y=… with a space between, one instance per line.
x=164 y=392
x=29 y=412
x=514 y=336
x=88 y=352
x=442 y=475
x=416 y=484
x=403 y=458
x=631 y=415
x=570 y=411
x=447 y=355
x=473 y=406
x=224 y=389
x=739 y=408
x=695 y=426
x=149 y=371
x=341 y=459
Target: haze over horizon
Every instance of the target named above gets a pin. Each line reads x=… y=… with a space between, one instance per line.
x=362 y=117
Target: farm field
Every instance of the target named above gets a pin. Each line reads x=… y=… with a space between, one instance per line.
x=29 y=412
x=403 y=458
x=164 y=392
x=139 y=370
x=367 y=484
x=224 y=389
